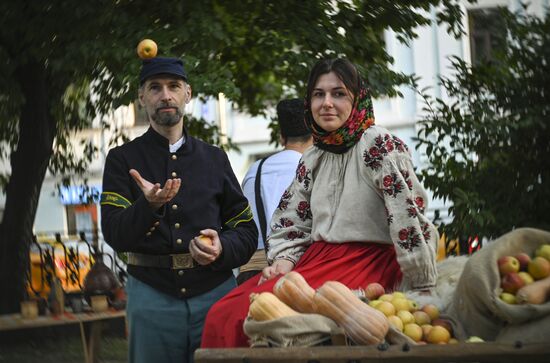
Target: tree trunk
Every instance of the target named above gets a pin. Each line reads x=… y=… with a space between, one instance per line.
x=29 y=162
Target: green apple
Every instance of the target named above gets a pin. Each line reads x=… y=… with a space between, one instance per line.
x=543 y=251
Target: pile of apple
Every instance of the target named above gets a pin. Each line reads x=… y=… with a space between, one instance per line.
x=525 y=279
x=421 y=324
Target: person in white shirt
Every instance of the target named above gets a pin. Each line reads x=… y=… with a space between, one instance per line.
x=276 y=173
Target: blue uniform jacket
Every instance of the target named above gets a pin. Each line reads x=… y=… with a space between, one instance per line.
x=209 y=197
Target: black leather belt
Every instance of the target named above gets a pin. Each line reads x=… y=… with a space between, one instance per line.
x=174 y=261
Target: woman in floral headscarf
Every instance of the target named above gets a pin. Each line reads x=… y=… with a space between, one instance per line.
x=354 y=212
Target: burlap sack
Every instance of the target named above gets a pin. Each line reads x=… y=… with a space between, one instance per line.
x=303 y=330
x=476 y=304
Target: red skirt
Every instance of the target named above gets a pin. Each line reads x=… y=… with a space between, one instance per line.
x=353 y=264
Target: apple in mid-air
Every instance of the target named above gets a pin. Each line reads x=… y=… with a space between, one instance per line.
x=147 y=49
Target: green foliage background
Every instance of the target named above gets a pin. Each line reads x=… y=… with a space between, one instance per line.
x=66 y=63
x=489 y=148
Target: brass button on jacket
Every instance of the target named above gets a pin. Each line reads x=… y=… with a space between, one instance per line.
x=177 y=225
x=174 y=157
x=174 y=174
x=174 y=206
x=179 y=241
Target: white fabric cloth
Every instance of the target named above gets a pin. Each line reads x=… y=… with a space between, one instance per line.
x=278 y=171
x=368 y=194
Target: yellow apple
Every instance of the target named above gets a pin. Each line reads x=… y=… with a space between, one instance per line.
x=431 y=310
x=543 y=251
x=400 y=303
x=421 y=318
x=147 y=49
x=528 y=279
x=386 y=307
x=405 y=316
x=539 y=268
x=438 y=334
x=413 y=306
x=205 y=240
x=413 y=331
x=386 y=297
x=507 y=264
x=399 y=294
x=374 y=303
x=508 y=298
x=396 y=322
x=426 y=330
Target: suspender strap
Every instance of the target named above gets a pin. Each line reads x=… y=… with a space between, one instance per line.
x=259 y=203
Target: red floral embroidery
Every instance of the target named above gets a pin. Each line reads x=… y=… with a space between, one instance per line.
x=383 y=145
x=389 y=216
x=283 y=222
x=407 y=178
x=408 y=238
x=303 y=175
x=426 y=231
x=292 y=235
x=303 y=211
x=283 y=203
x=420 y=203
x=411 y=209
x=392 y=186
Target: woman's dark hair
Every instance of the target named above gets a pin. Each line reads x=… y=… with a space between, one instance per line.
x=344 y=69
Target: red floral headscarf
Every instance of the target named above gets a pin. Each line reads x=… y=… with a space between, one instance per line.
x=343 y=138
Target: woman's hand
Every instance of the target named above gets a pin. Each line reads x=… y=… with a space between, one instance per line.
x=279 y=267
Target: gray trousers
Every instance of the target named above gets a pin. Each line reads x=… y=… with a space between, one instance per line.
x=164 y=329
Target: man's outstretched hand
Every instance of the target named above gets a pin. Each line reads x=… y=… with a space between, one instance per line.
x=155 y=195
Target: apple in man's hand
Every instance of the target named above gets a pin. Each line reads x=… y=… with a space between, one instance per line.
x=507 y=264
x=205 y=240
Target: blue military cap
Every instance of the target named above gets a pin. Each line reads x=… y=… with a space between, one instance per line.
x=161 y=65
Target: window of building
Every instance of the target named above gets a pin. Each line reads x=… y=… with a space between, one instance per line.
x=487 y=33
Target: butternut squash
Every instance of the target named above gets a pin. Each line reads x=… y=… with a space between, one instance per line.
x=293 y=290
x=537 y=292
x=266 y=306
x=362 y=323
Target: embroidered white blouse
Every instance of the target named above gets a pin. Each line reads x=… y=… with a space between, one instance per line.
x=368 y=194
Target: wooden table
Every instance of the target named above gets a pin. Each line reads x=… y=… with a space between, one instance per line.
x=462 y=352
x=91 y=337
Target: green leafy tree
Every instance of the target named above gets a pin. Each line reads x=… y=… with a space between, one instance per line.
x=66 y=63
x=489 y=148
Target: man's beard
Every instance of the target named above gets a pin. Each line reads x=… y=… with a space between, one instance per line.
x=167 y=118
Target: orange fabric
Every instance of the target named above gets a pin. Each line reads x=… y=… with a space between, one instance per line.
x=353 y=264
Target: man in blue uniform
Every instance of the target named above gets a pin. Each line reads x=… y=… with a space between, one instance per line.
x=162 y=191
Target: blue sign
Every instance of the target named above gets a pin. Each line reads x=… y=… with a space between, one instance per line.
x=79 y=194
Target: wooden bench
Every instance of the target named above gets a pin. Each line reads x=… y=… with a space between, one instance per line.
x=90 y=326
x=462 y=352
